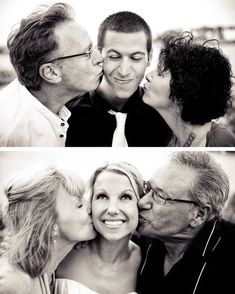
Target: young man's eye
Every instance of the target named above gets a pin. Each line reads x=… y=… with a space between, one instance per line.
x=137 y=58
x=114 y=57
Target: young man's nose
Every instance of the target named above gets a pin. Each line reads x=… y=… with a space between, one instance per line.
x=124 y=67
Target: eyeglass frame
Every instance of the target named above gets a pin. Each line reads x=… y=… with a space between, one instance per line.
x=70 y=56
x=155 y=192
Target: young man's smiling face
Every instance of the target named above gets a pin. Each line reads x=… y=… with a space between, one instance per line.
x=125 y=61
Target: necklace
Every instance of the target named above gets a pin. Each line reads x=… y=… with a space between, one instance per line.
x=190 y=139
x=188 y=142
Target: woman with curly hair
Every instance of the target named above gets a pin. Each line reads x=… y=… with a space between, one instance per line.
x=191 y=88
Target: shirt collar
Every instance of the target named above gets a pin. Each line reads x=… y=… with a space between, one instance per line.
x=63 y=113
x=130 y=106
x=207 y=239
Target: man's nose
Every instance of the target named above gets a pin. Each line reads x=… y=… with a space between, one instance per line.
x=124 y=67
x=97 y=57
x=146 y=203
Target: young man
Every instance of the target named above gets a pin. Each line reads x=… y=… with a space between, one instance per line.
x=114 y=114
x=192 y=248
x=54 y=61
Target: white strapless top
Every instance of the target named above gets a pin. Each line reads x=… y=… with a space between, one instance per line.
x=66 y=286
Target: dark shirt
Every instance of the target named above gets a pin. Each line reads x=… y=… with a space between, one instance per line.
x=91 y=125
x=219 y=136
x=206 y=267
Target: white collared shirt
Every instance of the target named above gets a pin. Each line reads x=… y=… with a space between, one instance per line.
x=25 y=122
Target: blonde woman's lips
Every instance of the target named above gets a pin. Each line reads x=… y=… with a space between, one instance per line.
x=113 y=223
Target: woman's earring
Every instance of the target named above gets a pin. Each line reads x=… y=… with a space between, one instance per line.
x=54 y=233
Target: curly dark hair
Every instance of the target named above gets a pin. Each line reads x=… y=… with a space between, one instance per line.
x=124 y=22
x=200 y=77
x=31 y=44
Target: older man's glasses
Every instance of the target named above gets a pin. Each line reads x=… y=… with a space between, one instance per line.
x=87 y=53
x=160 y=197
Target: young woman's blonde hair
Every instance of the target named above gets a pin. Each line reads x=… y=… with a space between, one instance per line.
x=31 y=214
x=123 y=168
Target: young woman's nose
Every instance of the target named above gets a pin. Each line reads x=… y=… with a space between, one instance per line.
x=113 y=208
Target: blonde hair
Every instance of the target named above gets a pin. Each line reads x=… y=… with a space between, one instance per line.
x=123 y=168
x=31 y=214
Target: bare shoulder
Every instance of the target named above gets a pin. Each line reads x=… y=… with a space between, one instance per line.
x=12 y=279
x=135 y=252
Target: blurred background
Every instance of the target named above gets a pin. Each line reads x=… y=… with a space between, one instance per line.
x=207 y=19
x=83 y=161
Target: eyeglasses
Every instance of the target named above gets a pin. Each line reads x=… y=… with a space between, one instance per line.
x=88 y=53
x=160 y=197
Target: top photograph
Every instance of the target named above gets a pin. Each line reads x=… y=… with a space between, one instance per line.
x=126 y=74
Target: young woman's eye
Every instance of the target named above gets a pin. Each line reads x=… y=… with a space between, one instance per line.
x=101 y=196
x=126 y=197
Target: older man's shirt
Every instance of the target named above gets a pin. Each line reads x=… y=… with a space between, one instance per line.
x=25 y=122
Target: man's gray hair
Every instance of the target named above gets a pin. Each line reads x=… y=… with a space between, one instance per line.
x=211 y=185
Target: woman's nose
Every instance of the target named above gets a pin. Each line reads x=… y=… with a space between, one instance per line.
x=113 y=208
x=149 y=76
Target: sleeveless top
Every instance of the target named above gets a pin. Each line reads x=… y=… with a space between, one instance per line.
x=66 y=286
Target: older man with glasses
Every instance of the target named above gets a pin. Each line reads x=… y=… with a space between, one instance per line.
x=55 y=61
x=189 y=249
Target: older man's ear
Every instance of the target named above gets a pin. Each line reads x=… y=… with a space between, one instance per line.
x=200 y=215
x=50 y=73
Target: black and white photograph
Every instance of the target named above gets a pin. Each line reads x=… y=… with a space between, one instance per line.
x=117 y=74
x=110 y=222
x=117 y=146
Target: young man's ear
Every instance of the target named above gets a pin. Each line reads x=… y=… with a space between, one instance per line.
x=150 y=56
x=50 y=73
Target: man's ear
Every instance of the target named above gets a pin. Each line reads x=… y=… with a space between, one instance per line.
x=50 y=73
x=200 y=215
x=150 y=56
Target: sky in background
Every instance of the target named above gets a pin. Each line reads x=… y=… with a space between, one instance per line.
x=160 y=14
x=85 y=160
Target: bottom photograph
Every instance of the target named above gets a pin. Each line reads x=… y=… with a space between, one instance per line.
x=117 y=221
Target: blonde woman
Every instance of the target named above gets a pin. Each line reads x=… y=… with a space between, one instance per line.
x=109 y=263
x=46 y=217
